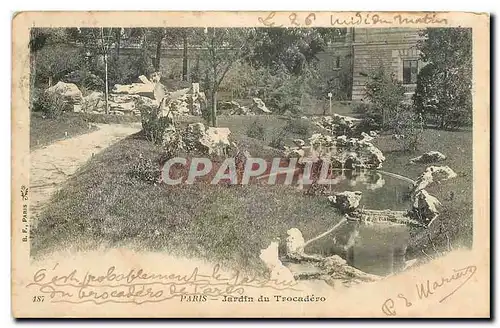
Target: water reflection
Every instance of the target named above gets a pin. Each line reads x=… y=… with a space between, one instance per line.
x=376 y=248
x=379 y=191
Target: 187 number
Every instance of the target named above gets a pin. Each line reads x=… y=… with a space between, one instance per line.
x=38 y=299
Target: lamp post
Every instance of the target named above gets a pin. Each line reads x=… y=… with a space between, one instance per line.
x=330 y=101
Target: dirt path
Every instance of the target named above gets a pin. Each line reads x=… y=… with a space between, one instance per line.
x=53 y=164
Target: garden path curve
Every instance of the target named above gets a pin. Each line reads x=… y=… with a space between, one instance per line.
x=53 y=164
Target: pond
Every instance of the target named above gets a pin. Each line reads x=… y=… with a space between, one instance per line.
x=380 y=191
x=377 y=248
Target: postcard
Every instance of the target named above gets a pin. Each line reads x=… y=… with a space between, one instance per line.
x=251 y=165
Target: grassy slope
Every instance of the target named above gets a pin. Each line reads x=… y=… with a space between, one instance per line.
x=455 y=221
x=103 y=204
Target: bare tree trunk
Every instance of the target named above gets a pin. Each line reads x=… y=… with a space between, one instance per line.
x=184 y=58
x=50 y=81
x=158 y=55
x=106 y=82
x=213 y=115
x=118 y=41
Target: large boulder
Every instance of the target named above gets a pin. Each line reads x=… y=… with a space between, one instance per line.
x=278 y=272
x=433 y=174
x=429 y=157
x=424 y=208
x=69 y=92
x=346 y=201
x=294 y=242
x=207 y=140
x=142 y=89
x=94 y=102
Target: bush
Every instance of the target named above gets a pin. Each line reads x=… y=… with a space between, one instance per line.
x=386 y=94
x=256 y=130
x=154 y=126
x=146 y=170
x=50 y=104
x=298 y=126
x=408 y=125
x=84 y=79
x=278 y=139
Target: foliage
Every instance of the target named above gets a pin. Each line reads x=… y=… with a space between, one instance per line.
x=292 y=48
x=278 y=138
x=386 y=94
x=444 y=85
x=154 y=126
x=52 y=105
x=145 y=169
x=256 y=130
x=298 y=126
x=53 y=61
x=84 y=79
x=408 y=126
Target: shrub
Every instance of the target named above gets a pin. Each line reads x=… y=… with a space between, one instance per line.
x=84 y=79
x=51 y=105
x=278 y=139
x=298 y=126
x=146 y=170
x=256 y=130
x=408 y=125
x=386 y=94
x=154 y=126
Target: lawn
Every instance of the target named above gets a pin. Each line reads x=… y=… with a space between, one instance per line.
x=456 y=220
x=110 y=202
x=44 y=131
x=107 y=202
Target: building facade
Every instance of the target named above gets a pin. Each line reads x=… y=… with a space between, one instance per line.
x=366 y=49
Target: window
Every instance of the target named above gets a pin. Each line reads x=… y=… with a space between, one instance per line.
x=410 y=71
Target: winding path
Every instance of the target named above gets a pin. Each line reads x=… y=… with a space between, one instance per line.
x=53 y=164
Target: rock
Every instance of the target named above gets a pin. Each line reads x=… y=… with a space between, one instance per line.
x=259 y=106
x=299 y=142
x=278 y=271
x=433 y=174
x=346 y=201
x=424 y=209
x=93 y=102
x=429 y=157
x=144 y=79
x=373 y=134
x=294 y=242
x=207 y=140
x=366 y=137
x=69 y=92
x=336 y=124
x=142 y=89
x=370 y=156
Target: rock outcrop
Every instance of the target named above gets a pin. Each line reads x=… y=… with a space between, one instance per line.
x=208 y=140
x=429 y=157
x=259 y=107
x=424 y=208
x=69 y=92
x=270 y=257
x=433 y=174
x=346 y=201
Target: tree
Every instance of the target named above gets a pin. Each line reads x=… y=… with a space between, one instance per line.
x=444 y=85
x=386 y=95
x=292 y=48
x=225 y=46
